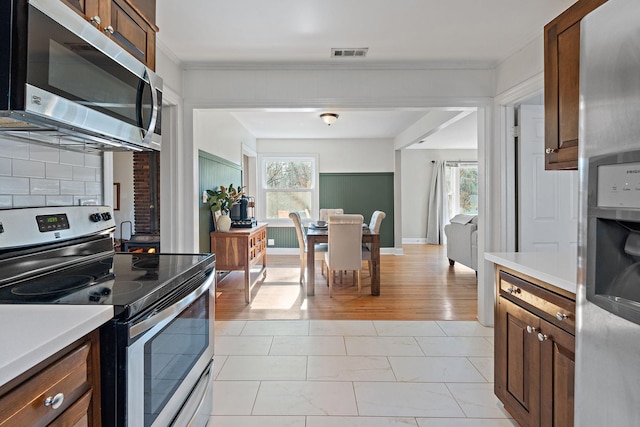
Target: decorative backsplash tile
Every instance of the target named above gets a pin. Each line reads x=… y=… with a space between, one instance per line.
x=72 y=188
x=10 y=185
x=27 y=168
x=44 y=186
x=5 y=166
x=44 y=153
x=58 y=171
x=37 y=175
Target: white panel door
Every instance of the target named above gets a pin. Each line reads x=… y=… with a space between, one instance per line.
x=547 y=200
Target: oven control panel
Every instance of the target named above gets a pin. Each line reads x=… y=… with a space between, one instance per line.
x=52 y=222
x=42 y=225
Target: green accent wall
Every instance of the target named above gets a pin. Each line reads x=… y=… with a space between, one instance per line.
x=213 y=171
x=360 y=193
x=284 y=237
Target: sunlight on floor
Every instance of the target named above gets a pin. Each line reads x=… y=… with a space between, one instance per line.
x=281 y=290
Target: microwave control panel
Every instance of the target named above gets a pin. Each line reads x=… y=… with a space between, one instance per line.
x=619 y=185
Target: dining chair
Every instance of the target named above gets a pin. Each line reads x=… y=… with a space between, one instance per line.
x=326 y=213
x=302 y=243
x=345 y=247
x=374 y=226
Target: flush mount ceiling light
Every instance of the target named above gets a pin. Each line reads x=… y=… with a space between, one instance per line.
x=329 y=118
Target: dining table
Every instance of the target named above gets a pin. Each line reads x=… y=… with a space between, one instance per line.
x=317 y=235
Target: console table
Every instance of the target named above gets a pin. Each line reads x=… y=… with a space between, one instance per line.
x=240 y=249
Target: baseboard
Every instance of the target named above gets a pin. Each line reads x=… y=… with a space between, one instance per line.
x=414 y=241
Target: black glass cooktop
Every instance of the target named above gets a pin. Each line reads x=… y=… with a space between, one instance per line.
x=128 y=281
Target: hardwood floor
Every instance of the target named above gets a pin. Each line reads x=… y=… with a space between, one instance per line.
x=419 y=285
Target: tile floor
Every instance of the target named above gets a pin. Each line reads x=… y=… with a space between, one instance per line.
x=330 y=373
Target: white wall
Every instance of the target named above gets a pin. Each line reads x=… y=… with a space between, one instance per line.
x=123 y=174
x=168 y=67
x=335 y=155
x=417 y=168
x=523 y=65
x=334 y=86
x=219 y=133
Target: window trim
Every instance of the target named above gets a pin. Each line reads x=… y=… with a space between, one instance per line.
x=261 y=211
x=455 y=189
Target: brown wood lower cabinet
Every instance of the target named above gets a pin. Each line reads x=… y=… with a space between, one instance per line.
x=241 y=249
x=64 y=390
x=534 y=352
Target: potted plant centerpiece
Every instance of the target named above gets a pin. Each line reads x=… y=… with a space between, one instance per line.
x=220 y=201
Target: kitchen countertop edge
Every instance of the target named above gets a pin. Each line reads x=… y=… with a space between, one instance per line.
x=32 y=333
x=557 y=269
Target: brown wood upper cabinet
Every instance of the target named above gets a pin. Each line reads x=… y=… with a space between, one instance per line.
x=129 y=23
x=561 y=87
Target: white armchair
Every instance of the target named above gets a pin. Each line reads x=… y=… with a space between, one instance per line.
x=462 y=240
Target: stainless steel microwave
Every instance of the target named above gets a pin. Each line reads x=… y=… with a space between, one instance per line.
x=69 y=84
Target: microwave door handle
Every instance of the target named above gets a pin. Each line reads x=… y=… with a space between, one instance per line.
x=154 y=107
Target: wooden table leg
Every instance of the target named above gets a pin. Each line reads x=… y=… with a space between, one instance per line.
x=375 y=265
x=247 y=283
x=311 y=266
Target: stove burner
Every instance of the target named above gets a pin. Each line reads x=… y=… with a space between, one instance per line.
x=124 y=287
x=51 y=285
x=145 y=263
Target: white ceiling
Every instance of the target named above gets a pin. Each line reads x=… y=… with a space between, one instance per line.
x=467 y=32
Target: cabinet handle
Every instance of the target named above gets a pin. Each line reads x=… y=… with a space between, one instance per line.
x=551 y=150
x=55 y=402
x=531 y=329
x=561 y=316
x=96 y=20
x=513 y=290
x=542 y=337
x=109 y=30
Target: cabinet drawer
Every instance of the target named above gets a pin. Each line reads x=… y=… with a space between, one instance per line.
x=25 y=405
x=557 y=309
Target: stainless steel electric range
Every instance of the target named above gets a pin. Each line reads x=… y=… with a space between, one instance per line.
x=157 y=352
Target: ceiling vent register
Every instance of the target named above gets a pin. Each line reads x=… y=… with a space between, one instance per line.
x=359 y=52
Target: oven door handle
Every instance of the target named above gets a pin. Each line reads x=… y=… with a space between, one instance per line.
x=157 y=317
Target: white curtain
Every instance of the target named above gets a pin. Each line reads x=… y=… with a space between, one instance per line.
x=438 y=205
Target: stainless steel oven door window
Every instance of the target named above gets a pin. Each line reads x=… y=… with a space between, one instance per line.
x=173 y=350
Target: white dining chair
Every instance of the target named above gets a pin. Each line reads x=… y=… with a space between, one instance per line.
x=345 y=247
x=320 y=250
x=374 y=226
x=326 y=213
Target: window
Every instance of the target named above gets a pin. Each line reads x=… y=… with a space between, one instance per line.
x=288 y=184
x=462 y=185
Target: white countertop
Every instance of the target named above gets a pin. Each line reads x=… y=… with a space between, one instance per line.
x=557 y=269
x=31 y=333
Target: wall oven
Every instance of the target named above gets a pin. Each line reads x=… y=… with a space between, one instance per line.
x=70 y=84
x=157 y=351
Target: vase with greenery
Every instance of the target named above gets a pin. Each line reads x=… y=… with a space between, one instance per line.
x=220 y=202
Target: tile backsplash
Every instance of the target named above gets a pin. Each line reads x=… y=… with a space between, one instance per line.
x=37 y=175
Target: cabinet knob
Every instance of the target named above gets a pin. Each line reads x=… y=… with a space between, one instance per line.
x=513 y=290
x=108 y=29
x=55 y=401
x=96 y=20
x=531 y=329
x=561 y=316
x=542 y=337
x=551 y=150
